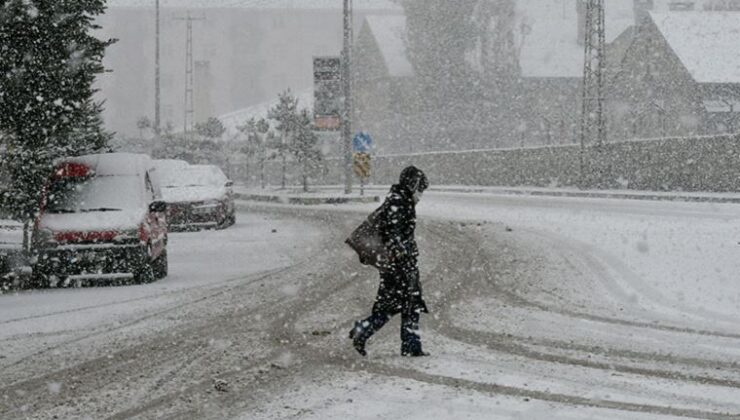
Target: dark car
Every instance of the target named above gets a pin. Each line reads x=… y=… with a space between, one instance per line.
x=198 y=197
x=102 y=219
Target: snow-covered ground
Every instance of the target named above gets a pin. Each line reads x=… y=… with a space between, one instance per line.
x=677 y=259
x=639 y=294
x=542 y=308
x=200 y=262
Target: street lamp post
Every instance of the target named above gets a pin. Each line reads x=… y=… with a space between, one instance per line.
x=347 y=87
x=157 y=87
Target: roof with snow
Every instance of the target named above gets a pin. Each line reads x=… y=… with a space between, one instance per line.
x=233 y=120
x=388 y=31
x=256 y=4
x=551 y=47
x=705 y=42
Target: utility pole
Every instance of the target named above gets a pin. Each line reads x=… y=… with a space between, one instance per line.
x=157 y=78
x=347 y=87
x=189 y=115
x=593 y=124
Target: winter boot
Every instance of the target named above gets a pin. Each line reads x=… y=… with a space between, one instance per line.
x=357 y=335
x=419 y=353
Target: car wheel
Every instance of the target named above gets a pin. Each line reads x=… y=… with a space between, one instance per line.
x=143 y=268
x=161 y=266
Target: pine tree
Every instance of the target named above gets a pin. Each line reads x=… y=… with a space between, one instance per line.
x=297 y=135
x=256 y=132
x=284 y=113
x=304 y=146
x=212 y=128
x=48 y=61
x=263 y=131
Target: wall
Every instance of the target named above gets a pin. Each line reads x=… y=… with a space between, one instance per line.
x=682 y=164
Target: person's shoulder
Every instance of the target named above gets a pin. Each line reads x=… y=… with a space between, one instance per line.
x=396 y=199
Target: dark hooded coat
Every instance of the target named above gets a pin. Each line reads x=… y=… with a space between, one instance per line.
x=400 y=286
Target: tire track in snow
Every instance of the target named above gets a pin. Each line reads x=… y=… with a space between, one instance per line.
x=313 y=352
x=521 y=346
x=600 y=263
x=518 y=300
x=250 y=280
x=496 y=389
x=143 y=298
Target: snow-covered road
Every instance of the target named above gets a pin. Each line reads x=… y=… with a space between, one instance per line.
x=542 y=308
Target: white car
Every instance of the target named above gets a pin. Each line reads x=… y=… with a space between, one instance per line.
x=197 y=196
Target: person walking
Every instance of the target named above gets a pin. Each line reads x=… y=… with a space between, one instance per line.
x=400 y=285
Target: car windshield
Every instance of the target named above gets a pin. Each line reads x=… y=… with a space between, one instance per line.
x=194 y=177
x=93 y=194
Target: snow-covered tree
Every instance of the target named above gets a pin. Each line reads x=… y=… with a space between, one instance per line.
x=256 y=144
x=498 y=45
x=184 y=146
x=212 y=128
x=284 y=114
x=48 y=61
x=143 y=123
x=304 y=146
x=297 y=136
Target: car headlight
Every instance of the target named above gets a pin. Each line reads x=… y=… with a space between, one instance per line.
x=207 y=207
x=212 y=203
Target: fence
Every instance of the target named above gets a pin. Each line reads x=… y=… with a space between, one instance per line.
x=710 y=163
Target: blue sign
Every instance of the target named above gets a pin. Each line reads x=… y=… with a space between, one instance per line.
x=362 y=142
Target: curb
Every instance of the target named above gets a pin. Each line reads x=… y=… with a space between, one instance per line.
x=602 y=195
x=306 y=201
x=718 y=198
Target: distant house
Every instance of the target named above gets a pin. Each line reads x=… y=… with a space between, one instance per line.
x=551 y=61
x=679 y=76
x=544 y=105
x=384 y=82
x=543 y=110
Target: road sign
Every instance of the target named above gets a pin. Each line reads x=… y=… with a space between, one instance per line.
x=361 y=165
x=328 y=96
x=362 y=142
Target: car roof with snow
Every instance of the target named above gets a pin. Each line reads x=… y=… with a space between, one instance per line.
x=110 y=164
x=167 y=164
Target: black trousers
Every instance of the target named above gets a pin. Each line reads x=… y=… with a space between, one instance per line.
x=399 y=292
x=410 y=340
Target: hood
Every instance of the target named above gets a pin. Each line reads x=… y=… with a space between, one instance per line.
x=126 y=219
x=403 y=191
x=192 y=194
x=414 y=179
